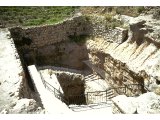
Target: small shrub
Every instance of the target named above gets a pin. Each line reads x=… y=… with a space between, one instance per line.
x=108 y=17
x=130 y=11
x=20 y=20
x=140 y=9
x=156 y=14
x=112 y=23
x=78 y=38
x=120 y=10
x=88 y=18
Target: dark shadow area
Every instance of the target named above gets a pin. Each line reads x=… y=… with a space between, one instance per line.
x=73 y=87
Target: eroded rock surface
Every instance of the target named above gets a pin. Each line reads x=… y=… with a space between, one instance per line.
x=147 y=103
x=140 y=52
x=24 y=106
x=124 y=104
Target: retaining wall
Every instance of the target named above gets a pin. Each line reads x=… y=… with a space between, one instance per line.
x=50 y=34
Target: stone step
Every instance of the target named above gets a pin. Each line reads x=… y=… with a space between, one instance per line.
x=110 y=97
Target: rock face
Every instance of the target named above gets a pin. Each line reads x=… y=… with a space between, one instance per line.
x=147 y=103
x=73 y=85
x=121 y=35
x=67 y=54
x=140 y=52
x=142 y=31
x=116 y=73
x=137 y=31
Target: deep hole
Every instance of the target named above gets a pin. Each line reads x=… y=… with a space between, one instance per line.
x=29 y=81
x=73 y=87
x=157 y=82
x=26 y=40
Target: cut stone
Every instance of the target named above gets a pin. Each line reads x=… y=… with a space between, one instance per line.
x=124 y=104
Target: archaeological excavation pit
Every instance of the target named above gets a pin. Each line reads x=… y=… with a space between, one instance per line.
x=64 y=84
x=72 y=70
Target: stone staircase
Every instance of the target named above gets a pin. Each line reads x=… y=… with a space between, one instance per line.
x=95 y=83
x=110 y=94
x=97 y=90
x=92 y=77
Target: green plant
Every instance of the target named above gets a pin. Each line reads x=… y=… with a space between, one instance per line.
x=130 y=11
x=111 y=23
x=87 y=17
x=78 y=38
x=108 y=17
x=140 y=9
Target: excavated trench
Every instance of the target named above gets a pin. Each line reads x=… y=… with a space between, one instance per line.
x=64 y=54
x=39 y=47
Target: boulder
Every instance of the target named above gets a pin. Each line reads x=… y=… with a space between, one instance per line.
x=122 y=35
x=137 y=32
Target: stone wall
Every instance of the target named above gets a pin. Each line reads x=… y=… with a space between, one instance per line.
x=50 y=34
x=52 y=44
x=66 y=54
x=117 y=73
x=99 y=23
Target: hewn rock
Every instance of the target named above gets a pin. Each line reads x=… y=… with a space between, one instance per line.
x=137 y=33
x=148 y=103
x=122 y=35
x=124 y=104
x=115 y=72
x=72 y=84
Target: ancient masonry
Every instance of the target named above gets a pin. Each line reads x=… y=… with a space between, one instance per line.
x=112 y=54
